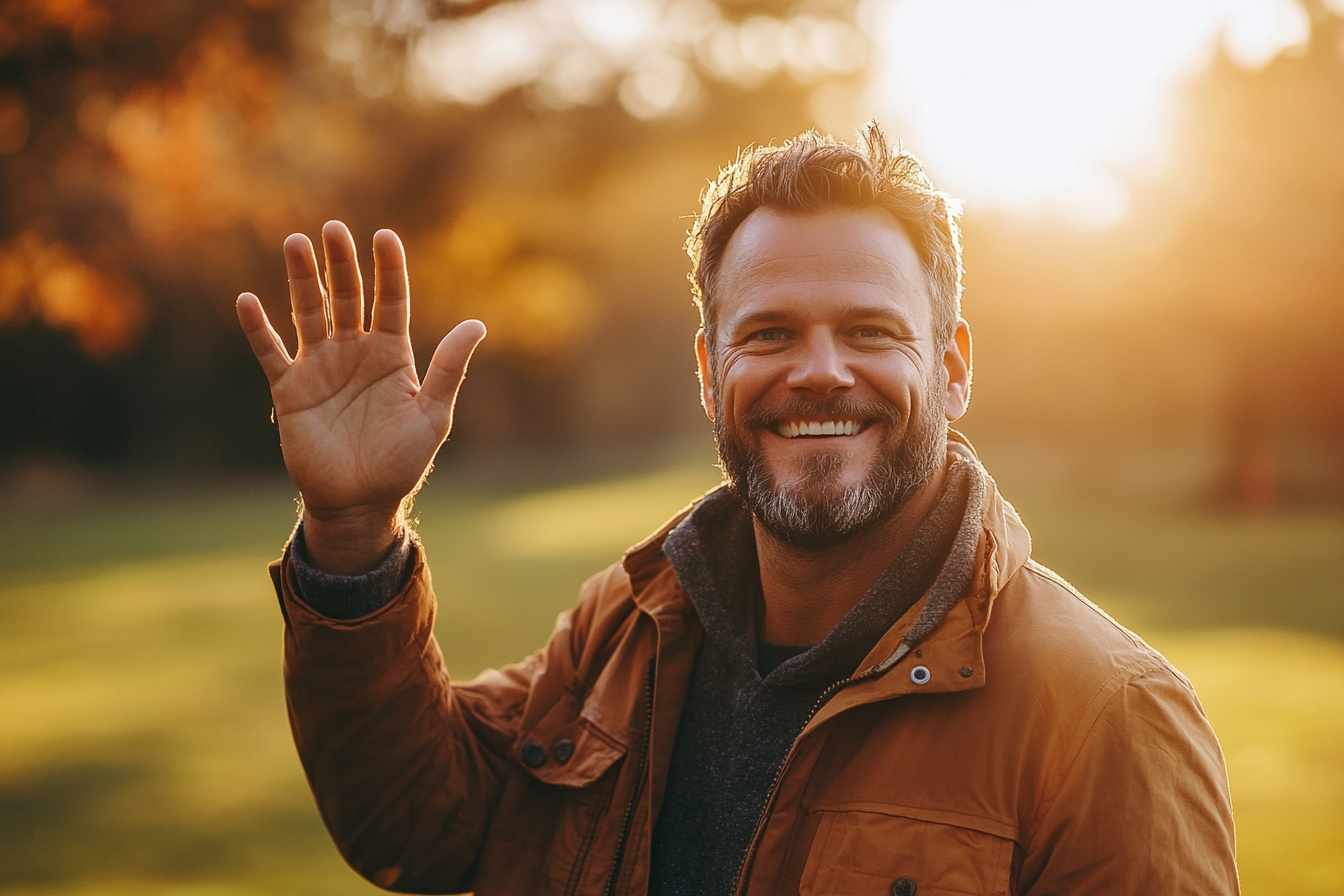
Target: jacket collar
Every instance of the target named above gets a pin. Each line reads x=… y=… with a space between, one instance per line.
x=952 y=647
x=952 y=655
x=646 y=565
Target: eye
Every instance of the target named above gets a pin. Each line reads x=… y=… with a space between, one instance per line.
x=869 y=333
x=772 y=335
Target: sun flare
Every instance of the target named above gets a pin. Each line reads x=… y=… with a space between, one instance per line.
x=1047 y=105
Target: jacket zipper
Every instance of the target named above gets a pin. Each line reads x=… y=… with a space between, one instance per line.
x=640 y=774
x=576 y=874
x=901 y=650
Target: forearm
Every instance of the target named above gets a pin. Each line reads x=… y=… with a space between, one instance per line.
x=394 y=765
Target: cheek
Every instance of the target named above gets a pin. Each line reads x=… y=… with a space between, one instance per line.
x=738 y=384
x=899 y=381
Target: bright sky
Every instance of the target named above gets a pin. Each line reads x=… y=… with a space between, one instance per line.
x=1041 y=106
x=1034 y=106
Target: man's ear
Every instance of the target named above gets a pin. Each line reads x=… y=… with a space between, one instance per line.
x=957 y=362
x=706 y=381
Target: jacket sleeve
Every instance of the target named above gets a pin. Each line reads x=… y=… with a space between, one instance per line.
x=1143 y=806
x=406 y=771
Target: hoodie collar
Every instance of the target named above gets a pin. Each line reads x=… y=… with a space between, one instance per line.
x=1003 y=547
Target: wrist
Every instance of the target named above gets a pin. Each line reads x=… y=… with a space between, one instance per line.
x=352 y=541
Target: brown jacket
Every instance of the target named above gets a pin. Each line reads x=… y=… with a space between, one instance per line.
x=1049 y=751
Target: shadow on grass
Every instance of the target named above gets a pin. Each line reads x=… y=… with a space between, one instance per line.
x=1179 y=569
x=73 y=532
x=91 y=821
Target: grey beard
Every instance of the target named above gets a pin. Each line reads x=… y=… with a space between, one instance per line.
x=814 y=514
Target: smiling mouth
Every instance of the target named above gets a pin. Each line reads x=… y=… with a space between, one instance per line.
x=797 y=428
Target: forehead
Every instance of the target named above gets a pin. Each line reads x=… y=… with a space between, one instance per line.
x=798 y=264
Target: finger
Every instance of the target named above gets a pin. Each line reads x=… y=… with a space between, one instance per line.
x=343 y=283
x=305 y=290
x=266 y=343
x=391 y=289
x=446 y=371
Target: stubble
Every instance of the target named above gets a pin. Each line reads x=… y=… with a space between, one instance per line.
x=816 y=512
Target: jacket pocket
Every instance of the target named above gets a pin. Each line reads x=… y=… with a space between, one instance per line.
x=580 y=764
x=566 y=747
x=858 y=852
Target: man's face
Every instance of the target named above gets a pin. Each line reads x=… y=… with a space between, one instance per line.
x=828 y=395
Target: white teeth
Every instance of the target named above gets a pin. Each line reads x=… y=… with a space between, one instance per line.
x=792 y=430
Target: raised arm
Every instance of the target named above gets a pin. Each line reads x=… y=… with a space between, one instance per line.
x=357 y=427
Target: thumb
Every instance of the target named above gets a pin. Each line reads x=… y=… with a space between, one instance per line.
x=446 y=370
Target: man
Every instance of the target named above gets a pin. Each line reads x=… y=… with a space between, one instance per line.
x=839 y=673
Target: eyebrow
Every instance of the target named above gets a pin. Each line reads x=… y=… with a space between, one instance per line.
x=861 y=312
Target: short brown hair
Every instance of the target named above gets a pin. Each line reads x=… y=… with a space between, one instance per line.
x=814 y=173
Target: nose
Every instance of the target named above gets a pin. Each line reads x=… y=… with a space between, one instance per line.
x=820 y=366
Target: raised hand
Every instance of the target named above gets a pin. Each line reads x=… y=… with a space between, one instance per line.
x=357 y=427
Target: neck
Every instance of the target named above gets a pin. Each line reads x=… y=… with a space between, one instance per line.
x=807 y=593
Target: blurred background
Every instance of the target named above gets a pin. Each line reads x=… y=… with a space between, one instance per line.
x=1155 y=278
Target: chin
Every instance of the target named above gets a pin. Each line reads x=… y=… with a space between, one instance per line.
x=815 y=510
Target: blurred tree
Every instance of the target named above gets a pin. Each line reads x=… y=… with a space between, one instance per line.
x=1206 y=328
x=536 y=155
x=1255 y=261
x=105 y=132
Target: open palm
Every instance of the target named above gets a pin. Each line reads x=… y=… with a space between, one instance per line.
x=357 y=427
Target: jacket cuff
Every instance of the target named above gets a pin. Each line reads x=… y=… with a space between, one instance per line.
x=404 y=623
x=350 y=597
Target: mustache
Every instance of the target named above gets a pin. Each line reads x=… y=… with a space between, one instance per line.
x=866 y=409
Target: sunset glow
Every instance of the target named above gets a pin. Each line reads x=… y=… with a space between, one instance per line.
x=1046 y=105
x=1034 y=106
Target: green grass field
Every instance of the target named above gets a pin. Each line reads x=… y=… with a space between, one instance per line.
x=144 y=747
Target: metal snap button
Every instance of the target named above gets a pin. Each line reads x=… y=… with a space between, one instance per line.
x=534 y=754
x=903 y=886
x=966 y=671
x=920 y=675
x=562 y=750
